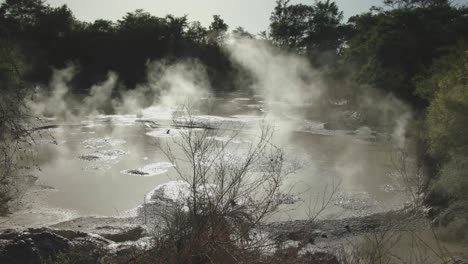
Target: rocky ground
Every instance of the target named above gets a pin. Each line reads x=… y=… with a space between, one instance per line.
x=117 y=240
x=31 y=246
x=93 y=239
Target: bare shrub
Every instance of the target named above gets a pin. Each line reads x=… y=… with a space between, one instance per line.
x=16 y=138
x=408 y=174
x=317 y=206
x=232 y=186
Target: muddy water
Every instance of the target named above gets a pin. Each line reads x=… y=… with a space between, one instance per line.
x=107 y=165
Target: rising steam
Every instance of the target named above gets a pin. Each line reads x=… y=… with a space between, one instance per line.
x=286 y=81
x=168 y=85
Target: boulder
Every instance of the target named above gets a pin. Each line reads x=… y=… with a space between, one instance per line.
x=32 y=248
x=122 y=235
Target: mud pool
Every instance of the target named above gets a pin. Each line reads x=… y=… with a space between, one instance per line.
x=106 y=165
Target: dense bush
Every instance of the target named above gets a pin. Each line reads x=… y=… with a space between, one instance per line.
x=15 y=131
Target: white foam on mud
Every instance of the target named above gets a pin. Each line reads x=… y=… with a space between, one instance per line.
x=91 y=124
x=286 y=198
x=247 y=118
x=102 y=142
x=150 y=170
x=158 y=113
x=365 y=133
x=97 y=167
x=165 y=133
x=358 y=202
x=173 y=190
x=85 y=132
x=318 y=128
x=227 y=139
x=153 y=113
x=205 y=119
x=103 y=155
x=242 y=99
x=178 y=191
x=232 y=122
x=259 y=106
x=47 y=118
x=50 y=142
x=121 y=120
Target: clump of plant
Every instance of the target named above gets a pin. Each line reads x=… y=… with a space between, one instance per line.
x=230 y=188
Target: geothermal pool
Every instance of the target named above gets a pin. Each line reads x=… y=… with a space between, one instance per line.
x=105 y=165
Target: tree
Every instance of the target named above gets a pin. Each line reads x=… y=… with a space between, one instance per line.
x=55 y=22
x=307 y=28
x=197 y=33
x=217 y=29
x=140 y=22
x=176 y=26
x=446 y=119
x=415 y=3
x=22 y=12
x=445 y=73
x=241 y=32
x=101 y=26
x=391 y=48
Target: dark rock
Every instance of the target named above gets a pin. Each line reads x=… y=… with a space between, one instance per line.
x=329 y=126
x=320 y=257
x=90 y=249
x=125 y=253
x=69 y=234
x=20 y=252
x=123 y=235
x=136 y=172
x=8 y=234
x=347 y=228
x=26 y=248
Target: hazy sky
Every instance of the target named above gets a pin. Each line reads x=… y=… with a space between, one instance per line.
x=253 y=15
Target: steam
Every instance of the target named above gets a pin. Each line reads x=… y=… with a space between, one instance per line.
x=278 y=76
x=99 y=96
x=290 y=86
x=54 y=104
x=168 y=85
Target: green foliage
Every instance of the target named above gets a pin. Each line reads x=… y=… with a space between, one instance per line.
x=445 y=73
x=197 y=33
x=447 y=122
x=217 y=30
x=51 y=38
x=415 y=3
x=23 y=12
x=392 y=47
x=218 y=25
x=453 y=180
x=308 y=28
x=446 y=88
x=241 y=32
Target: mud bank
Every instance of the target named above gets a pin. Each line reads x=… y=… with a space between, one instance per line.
x=119 y=240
